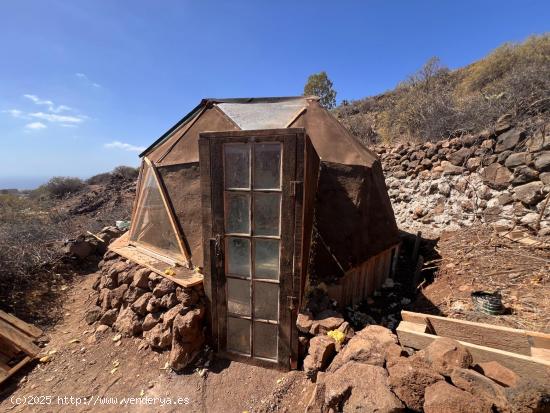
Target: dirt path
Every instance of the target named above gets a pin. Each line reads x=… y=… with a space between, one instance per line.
x=104 y=375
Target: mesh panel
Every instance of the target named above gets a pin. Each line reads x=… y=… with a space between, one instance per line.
x=152 y=227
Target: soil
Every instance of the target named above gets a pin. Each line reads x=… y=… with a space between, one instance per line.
x=89 y=365
x=476 y=258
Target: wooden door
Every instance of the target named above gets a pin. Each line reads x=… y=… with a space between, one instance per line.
x=251 y=184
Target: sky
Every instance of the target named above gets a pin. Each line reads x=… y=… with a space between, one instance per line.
x=86 y=85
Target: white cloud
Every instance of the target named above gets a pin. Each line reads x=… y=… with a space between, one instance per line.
x=16 y=113
x=35 y=126
x=44 y=102
x=124 y=146
x=83 y=76
x=50 y=117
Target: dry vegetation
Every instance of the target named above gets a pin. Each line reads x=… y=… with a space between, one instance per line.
x=437 y=103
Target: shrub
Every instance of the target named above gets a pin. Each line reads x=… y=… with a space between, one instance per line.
x=126 y=172
x=60 y=186
x=98 y=179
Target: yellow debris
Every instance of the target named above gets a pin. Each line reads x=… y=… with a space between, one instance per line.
x=169 y=271
x=337 y=336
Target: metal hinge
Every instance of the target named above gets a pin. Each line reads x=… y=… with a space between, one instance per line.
x=292 y=302
x=294 y=186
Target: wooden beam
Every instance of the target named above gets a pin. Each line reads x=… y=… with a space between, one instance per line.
x=18 y=338
x=523 y=365
x=6 y=375
x=499 y=337
x=29 y=329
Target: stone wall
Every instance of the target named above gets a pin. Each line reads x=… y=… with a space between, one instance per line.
x=500 y=176
x=135 y=301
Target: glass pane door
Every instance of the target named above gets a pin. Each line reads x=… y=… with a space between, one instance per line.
x=252 y=233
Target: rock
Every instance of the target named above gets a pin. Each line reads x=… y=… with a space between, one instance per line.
x=542 y=161
x=80 y=248
x=503 y=156
x=517 y=159
x=529 y=194
x=109 y=317
x=133 y=293
x=159 y=337
x=304 y=321
x=187 y=339
x=487 y=144
x=165 y=286
x=441 y=397
x=317 y=402
x=325 y=321
x=321 y=350
x=496 y=176
x=141 y=278
x=126 y=277
x=151 y=320
x=473 y=164
x=110 y=279
x=169 y=316
x=481 y=387
x=117 y=296
x=127 y=323
x=443 y=355
x=187 y=296
x=140 y=305
x=503 y=123
x=505 y=198
x=409 y=381
x=169 y=300
x=545 y=178
x=153 y=305
x=93 y=315
x=540 y=141
x=444 y=189
x=530 y=218
x=450 y=169
x=523 y=175
x=358 y=387
x=529 y=397
x=508 y=140
x=366 y=346
x=498 y=373
x=458 y=158
x=109 y=233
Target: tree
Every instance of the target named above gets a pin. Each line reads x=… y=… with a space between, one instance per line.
x=320 y=85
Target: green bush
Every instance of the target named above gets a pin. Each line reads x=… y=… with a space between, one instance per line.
x=127 y=172
x=61 y=186
x=98 y=179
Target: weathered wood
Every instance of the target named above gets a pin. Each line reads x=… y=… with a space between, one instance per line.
x=499 y=337
x=523 y=365
x=14 y=369
x=29 y=329
x=18 y=338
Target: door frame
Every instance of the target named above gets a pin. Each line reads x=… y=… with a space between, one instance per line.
x=211 y=165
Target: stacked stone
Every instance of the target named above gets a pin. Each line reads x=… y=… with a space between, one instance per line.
x=135 y=301
x=502 y=175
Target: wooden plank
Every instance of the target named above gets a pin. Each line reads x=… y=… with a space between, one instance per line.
x=28 y=329
x=15 y=369
x=499 y=337
x=523 y=365
x=18 y=338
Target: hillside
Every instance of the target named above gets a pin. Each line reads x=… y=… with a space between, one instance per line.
x=437 y=103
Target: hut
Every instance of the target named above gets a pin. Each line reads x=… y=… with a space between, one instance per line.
x=262 y=199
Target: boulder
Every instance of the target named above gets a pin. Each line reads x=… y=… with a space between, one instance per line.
x=187 y=296
x=141 y=278
x=518 y=159
x=153 y=305
x=304 y=321
x=473 y=164
x=444 y=189
x=165 y=286
x=151 y=320
x=358 y=387
x=109 y=317
x=442 y=397
x=111 y=279
x=540 y=141
x=93 y=315
x=545 y=178
x=529 y=396
x=542 y=161
x=140 y=305
x=321 y=350
x=159 y=337
x=450 y=169
x=325 y=321
x=496 y=176
x=127 y=323
x=458 y=158
x=408 y=381
x=529 y=194
x=509 y=140
x=109 y=233
x=169 y=316
x=481 y=387
x=501 y=158
x=169 y=300
x=133 y=293
x=80 y=247
x=117 y=295
x=187 y=338
x=503 y=123
x=443 y=355
x=498 y=373
x=523 y=175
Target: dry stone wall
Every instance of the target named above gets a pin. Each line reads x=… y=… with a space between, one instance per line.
x=498 y=176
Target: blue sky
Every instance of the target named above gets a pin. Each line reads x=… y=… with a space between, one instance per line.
x=84 y=85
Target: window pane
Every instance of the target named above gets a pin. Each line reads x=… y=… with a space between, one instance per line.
x=238 y=335
x=267 y=165
x=238 y=256
x=265 y=340
x=266 y=301
x=236 y=165
x=238 y=296
x=266 y=258
x=266 y=213
x=152 y=226
x=238 y=213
